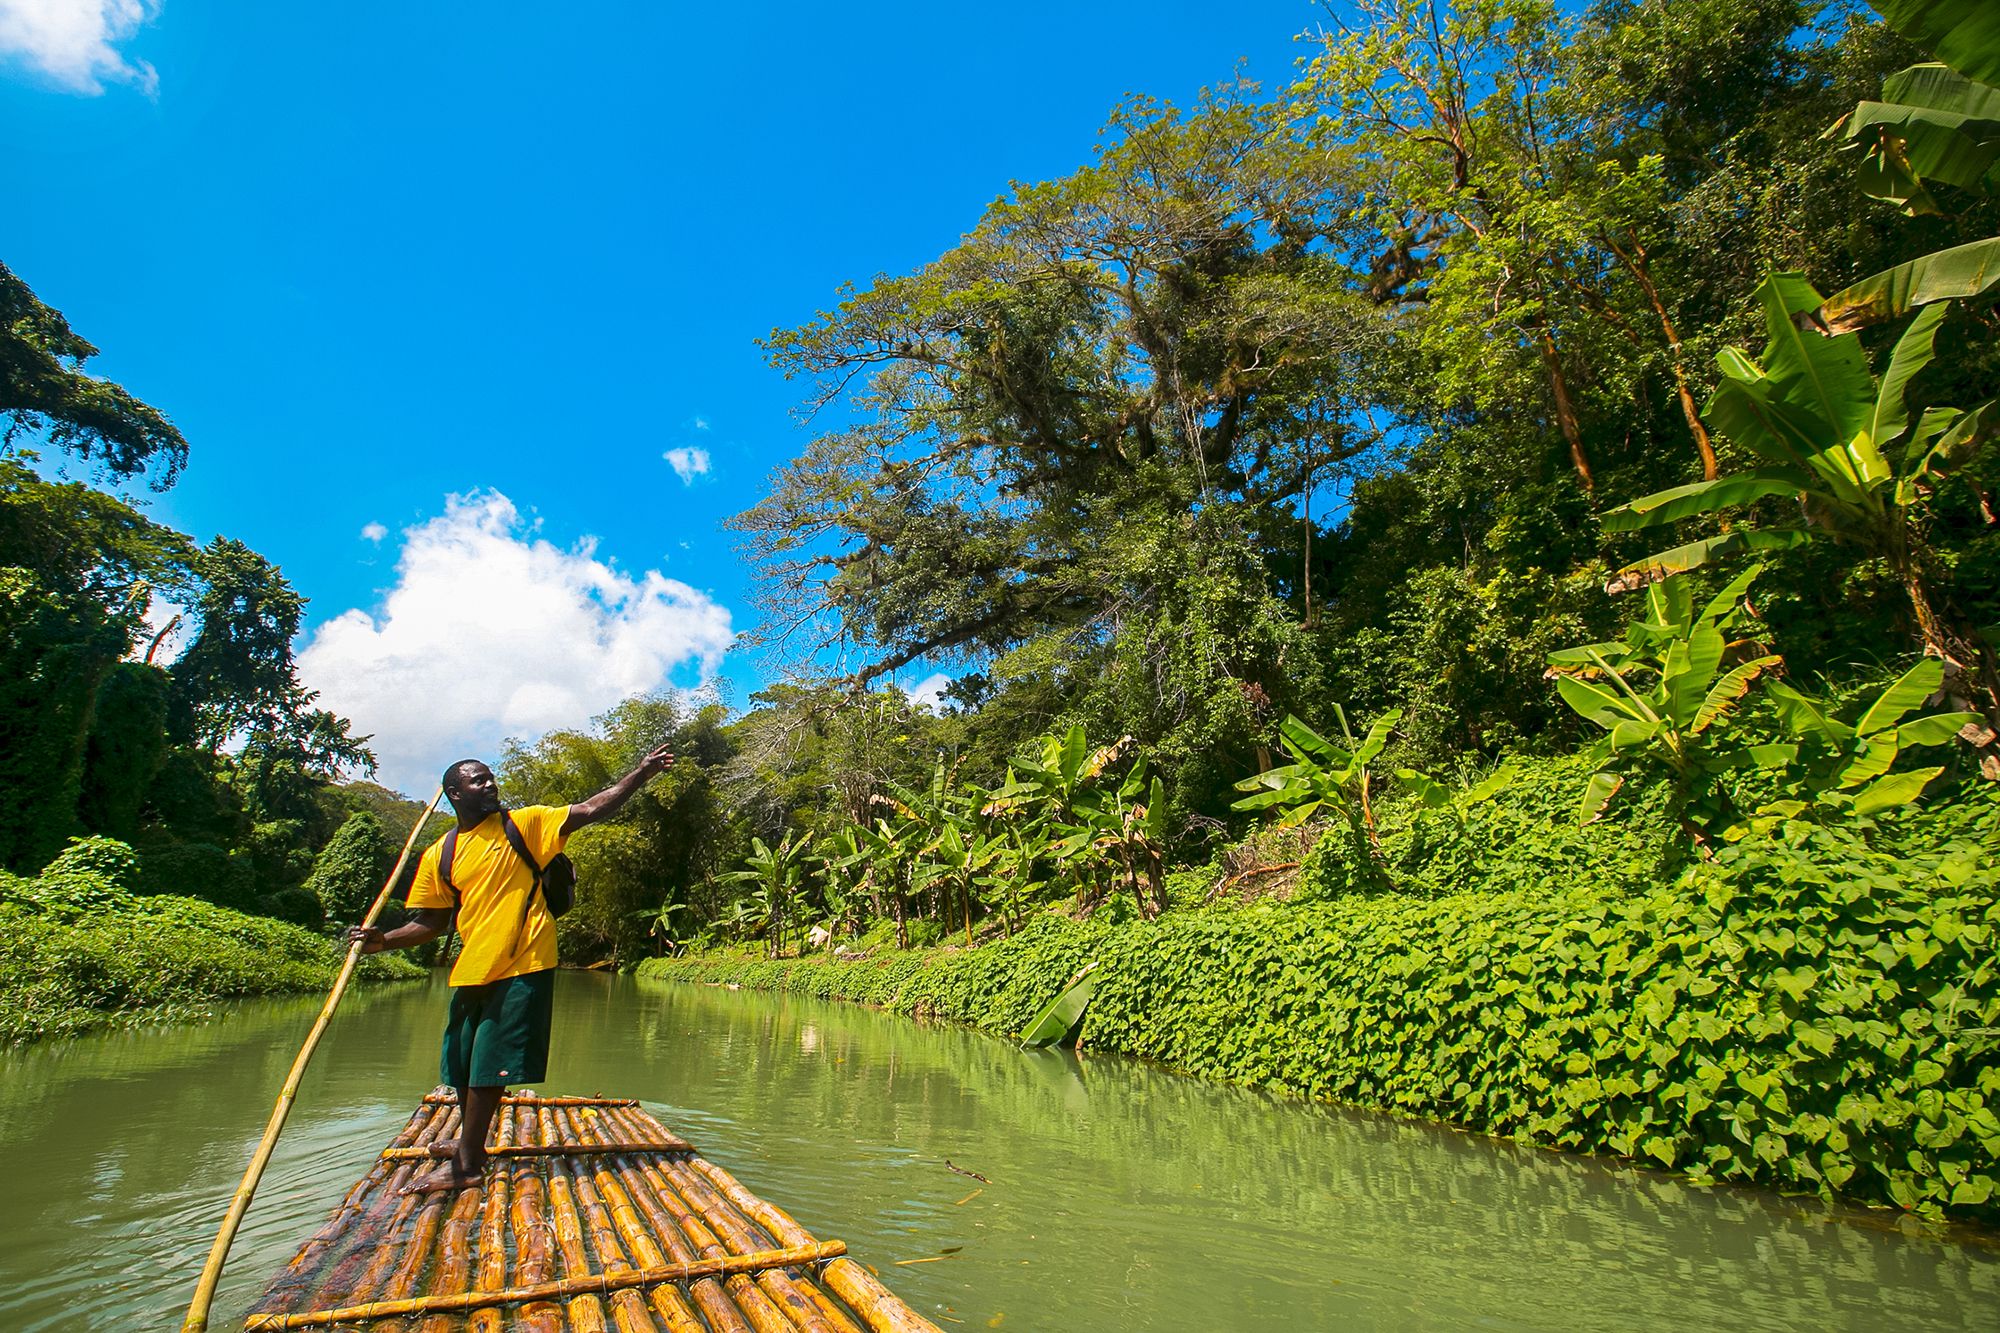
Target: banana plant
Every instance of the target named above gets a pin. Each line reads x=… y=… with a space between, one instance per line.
x=1847 y=446
x=1935 y=123
x=773 y=875
x=1849 y=763
x=1124 y=829
x=1659 y=693
x=838 y=859
x=1322 y=774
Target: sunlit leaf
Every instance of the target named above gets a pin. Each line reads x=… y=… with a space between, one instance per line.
x=1917 y=684
x=1894 y=790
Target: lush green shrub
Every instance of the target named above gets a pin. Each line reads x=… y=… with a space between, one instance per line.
x=1808 y=1011
x=298 y=906
x=349 y=870
x=196 y=869
x=77 y=951
x=1516 y=828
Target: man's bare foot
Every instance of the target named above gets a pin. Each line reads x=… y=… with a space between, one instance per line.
x=447 y=1179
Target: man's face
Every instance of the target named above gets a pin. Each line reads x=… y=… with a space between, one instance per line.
x=477 y=793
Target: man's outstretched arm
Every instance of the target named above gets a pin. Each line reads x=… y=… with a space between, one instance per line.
x=606 y=803
x=425 y=926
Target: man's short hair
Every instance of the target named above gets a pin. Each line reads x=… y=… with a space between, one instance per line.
x=450 y=779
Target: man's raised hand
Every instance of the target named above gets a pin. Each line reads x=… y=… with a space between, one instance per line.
x=658 y=761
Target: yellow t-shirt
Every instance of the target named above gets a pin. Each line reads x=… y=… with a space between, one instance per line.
x=493 y=884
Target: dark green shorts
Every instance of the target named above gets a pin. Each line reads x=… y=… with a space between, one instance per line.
x=498 y=1033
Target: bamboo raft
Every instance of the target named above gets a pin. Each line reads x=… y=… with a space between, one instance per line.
x=592 y=1217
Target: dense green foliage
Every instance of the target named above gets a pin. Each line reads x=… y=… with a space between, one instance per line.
x=79 y=950
x=212 y=760
x=1817 y=1012
x=349 y=870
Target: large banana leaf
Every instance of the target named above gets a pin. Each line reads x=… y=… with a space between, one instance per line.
x=1827 y=377
x=1313 y=745
x=1597 y=794
x=1594 y=702
x=1691 y=665
x=1935 y=729
x=1062 y=1015
x=1722 y=606
x=1377 y=738
x=1069 y=758
x=1959 y=442
x=1698 y=553
x=1931 y=125
x=1747 y=407
x=1894 y=790
x=1734 y=684
x=1917 y=684
x=1704 y=497
x=1943 y=275
x=1914 y=350
x=1964 y=34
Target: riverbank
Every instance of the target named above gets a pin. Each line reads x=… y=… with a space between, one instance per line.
x=1803 y=1012
x=80 y=952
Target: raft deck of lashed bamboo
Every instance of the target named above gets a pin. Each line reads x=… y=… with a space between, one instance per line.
x=591 y=1216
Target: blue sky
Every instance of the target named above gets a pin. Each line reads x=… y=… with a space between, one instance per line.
x=375 y=256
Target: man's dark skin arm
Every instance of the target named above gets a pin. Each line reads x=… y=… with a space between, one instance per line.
x=606 y=803
x=422 y=928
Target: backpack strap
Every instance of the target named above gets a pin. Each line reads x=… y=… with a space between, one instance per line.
x=446 y=855
x=520 y=846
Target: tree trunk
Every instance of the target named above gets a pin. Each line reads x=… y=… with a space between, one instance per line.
x=1565 y=411
x=1636 y=264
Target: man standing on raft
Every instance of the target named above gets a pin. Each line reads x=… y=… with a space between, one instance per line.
x=503 y=984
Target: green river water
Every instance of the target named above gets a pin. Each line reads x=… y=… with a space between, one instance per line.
x=1120 y=1196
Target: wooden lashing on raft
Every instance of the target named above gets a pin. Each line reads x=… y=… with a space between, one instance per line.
x=592 y=1217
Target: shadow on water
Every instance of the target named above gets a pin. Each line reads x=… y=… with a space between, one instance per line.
x=1117 y=1195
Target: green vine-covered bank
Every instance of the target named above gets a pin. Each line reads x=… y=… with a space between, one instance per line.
x=1807 y=1012
x=80 y=950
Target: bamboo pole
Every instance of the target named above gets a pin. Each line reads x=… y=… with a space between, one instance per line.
x=492 y=1274
x=803 y=1303
x=644 y=1247
x=716 y=1307
x=675 y=1146
x=455 y=1271
x=880 y=1308
x=595 y=1284
x=737 y=1234
x=531 y=1234
x=628 y=1308
x=529 y=1098
x=586 y=1312
x=211 y=1273
x=310 y=1261
x=764 y=1314
x=369 y=1243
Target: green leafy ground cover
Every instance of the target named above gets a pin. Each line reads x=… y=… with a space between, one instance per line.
x=1815 y=1010
x=78 y=951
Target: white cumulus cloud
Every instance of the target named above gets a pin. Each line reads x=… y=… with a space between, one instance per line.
x=928 y=693
x=492 y=632
x=687 y=463
x=374 y=532
x=74 y=42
